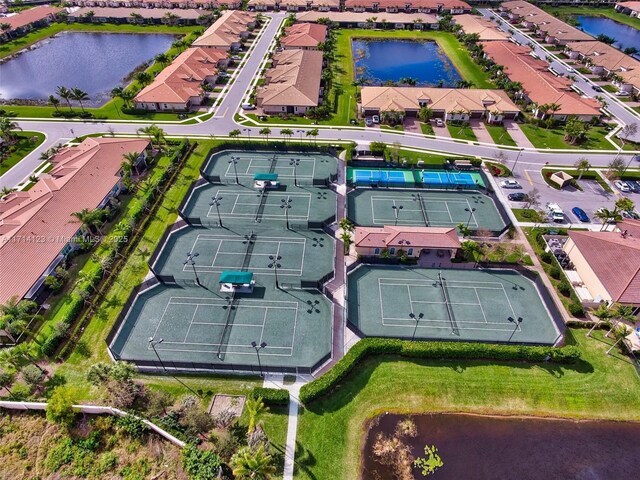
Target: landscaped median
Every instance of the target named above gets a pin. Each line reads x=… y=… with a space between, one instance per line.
x=25 y=144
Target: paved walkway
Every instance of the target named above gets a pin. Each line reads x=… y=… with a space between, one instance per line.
x=480 y=131
x=517 y=134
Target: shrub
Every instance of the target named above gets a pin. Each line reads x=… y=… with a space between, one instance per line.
x=555 y=272
x=433 y=350
x=564 y=288
x=59 y=407
x=200 y=464
x=50 y=345
x=32 y=375
x=547 y=257
x=576 y=309
x=53 y=283
x=132 y=425
x=271 y=396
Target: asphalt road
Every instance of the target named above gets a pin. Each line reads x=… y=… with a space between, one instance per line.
x=223 y=122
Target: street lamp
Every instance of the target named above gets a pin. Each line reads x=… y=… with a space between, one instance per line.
x=258 y=348
x=470 y=210
x=300 y=132
x=234 y=161
x=294 y=162
x=248 y=132
x=396 y=211
x=275 y=265
x=286 y=205
x=215 y=201
x=191 y=261
x=516 y=322
x=152 y=344
x=513 y=169
x=417 y=319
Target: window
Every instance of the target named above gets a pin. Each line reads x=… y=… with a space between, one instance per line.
x=392 y=250
x=410 y=252
x=376 y=251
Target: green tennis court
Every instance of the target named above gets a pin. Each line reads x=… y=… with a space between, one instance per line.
x=449 y=304
x=419 y=207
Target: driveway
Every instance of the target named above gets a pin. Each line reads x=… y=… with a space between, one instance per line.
x=480 y=131
x=517 y=134
x=411 y=124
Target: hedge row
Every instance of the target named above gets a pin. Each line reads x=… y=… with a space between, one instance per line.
x=271 y=396
x=436 y=350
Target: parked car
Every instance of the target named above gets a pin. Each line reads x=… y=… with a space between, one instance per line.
x=510 y=184
x=368 y=122
x=622 y=94
x=622 y=186
x=439 y=122
x=609 y=220
x=555 y=212
x=375 y=119
x=580 y=213
x=570 y=70
x=248 y=106
x=629 y=214
x=633 y=186
x=517 y=197
x=597 y=88
x=236 y=57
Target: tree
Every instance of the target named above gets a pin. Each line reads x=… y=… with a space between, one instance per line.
x=6 y=380
x=32 y=376
x=255 y=408
x=162 y=58
x=54 y=102
x=425 y=114
x=621 y=313
x=65 y=94
x=574 y=130
x=253 y=464
x=79 y=96
x=200 y=464
x=130 y=162
x=314 y=132
x=143 y=78
x=266 y=131
x=582 y=166
x=7 y=127
x=532 y=199
x=607 y=216
x=287 y=133
x=156 y=134
x=377 y=148
x=625 y=204
x=470 y=249
x=615 y=168
x=60 y=407
x=90 y=219
x=234 y=133
x=602 y=313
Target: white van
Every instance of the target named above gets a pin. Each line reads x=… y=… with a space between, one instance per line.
x=555 y=212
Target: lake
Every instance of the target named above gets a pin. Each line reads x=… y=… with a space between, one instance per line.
x=484 y=447
x=378 y=61
x=93 y=62
x=624 y=35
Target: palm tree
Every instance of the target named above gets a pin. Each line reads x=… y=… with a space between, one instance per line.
x=131 y=159
x=79 y=96
x=607 y=216
x=143 y=78
x=6 y=191
x=7 y=126
x=287 y=133
x=154 y=133
x=255 y=410
x=162 y=58
x=6 y=380
x=90 y=219
x=621 y=313
x=254 y=465
x=234 y=133
x=53 y=101
x=127 y=96
x=582 y=166
x=11 y=356
x=313 y=133
x=603 y=313
x=266 y=131
x=65 y=94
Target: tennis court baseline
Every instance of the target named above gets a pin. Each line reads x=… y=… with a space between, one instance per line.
x=382 y=177
x=267 y=206
x=438 y=211
x=449 y=179
x=248 y=166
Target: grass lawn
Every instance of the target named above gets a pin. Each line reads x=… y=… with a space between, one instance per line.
x=113 y=108
x=565 y=13
x=426 y=128
x=330 y=430
x=526 y=215
x=610 y=88
x=462 y=132
x=500 y=135
x=413 y=157
x=22 y=148
x=554 y=138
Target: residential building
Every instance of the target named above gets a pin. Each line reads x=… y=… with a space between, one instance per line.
x=607 y=61
x=229 y=31
x=166 y=4
x=450 y=104
x=607 y=264
x=136 y=15
x=37 y=226
x=293 y=83
x=629 y=8
x=398 y=21
x=539 y=85
x=408 y=6
x=26 y=20
x=544 y=25
x=180 y=85
x=294 y=5
x=373 y=241
x=485 y=29
x=306 y=36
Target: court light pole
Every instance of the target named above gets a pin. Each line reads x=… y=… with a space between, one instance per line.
x=275 y=259
x=300 y=132
x=470 y=210
x=295 y=162
x=191 y=261
x=513 y=169
x=152 y=344
x=396 y=211
x=248 y=131
x=234 y=161
x=215 y=201
x=257 y=349
x=286 y=205
x=415 y=318
x=516 y=322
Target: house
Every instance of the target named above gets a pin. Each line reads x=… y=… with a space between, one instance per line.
x=485 y=29
x=408 y=6
x=37 y=227
x=607 y=61
x=629 y=8
x=607 y=263
x=294 y=5
x=544 y=25
x=306 y=36
x=293 y=83
x=450 y=104
x=539 y=85
x=26 y=20
x=164 y=4
x=180 y=85
x=373 y=241
x=229 y=31
x=354 y=19
x=136 y=15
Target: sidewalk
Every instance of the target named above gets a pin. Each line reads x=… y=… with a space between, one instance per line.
x=517 y=134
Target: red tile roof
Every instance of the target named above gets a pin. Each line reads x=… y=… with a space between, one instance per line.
x=406 y=237
x=35 y=225
x=32 y=15
x=304 y=35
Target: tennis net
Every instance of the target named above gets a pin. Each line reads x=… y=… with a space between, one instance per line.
x=263 y=201
x=447 y=303
x=251 y=241
x=224 y=337
x=423 y=210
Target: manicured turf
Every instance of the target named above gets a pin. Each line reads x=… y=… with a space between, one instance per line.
x=330 y=431
x=426 y=128
x=554 y=138
x=500 y=135
x=565 y=13
x=23 y=147
x=462 y=132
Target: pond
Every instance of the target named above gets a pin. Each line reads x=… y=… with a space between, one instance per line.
x=93 y=62
x=482 y=447
x=379 y=61
x=624 y=35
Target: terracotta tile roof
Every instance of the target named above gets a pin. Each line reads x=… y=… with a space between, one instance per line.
x=415 y=4
x=440 y=99
x=294 y=80
x=635 y=6
x=615 y=259
x=540 y=85
x=27 y=17
x=545 y=21
x=609 y=58
x=121 y=12
x=362 y=17
x=304 y=35
x=486 y=29
x=632 y=227
x=183 y=79
x=35 y=225
x=227 y=30
x=406 y=237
